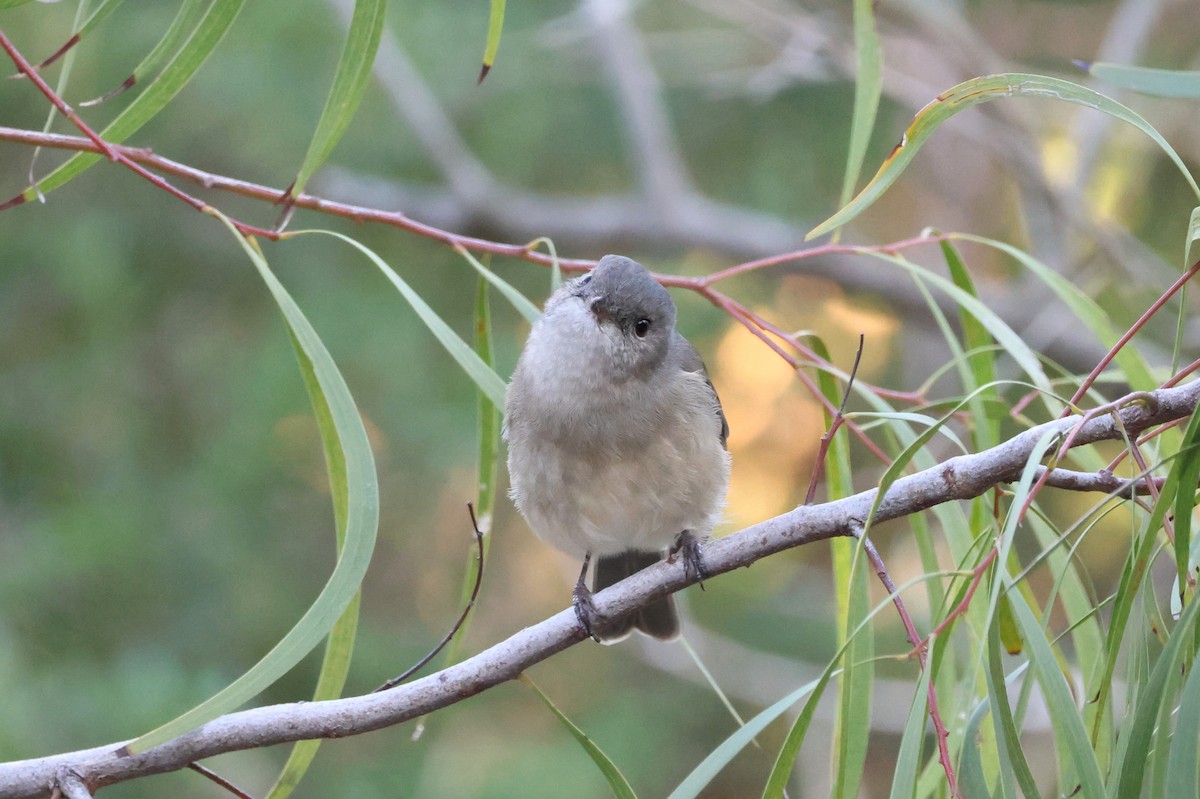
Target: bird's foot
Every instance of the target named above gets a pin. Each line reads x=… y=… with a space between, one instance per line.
x=585 y=609
x=690 y=549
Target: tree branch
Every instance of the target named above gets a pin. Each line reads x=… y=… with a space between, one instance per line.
x=962 y=477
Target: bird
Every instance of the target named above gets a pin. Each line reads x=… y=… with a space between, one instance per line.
x=617 y=441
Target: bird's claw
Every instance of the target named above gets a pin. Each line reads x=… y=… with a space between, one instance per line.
x=688 y=547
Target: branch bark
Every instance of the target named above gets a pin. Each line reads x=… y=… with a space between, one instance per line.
x=962 y=477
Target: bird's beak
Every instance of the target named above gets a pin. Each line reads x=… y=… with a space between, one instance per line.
x=599 y=308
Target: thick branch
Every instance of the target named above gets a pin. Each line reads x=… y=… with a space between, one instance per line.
x=963 y=477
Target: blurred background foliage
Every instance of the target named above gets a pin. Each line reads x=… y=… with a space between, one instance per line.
x=164 y=515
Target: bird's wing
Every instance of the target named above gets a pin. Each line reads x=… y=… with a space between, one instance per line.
x=690 y=361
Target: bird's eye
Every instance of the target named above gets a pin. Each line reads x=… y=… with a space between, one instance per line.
x=583 y=281
x=642 y=327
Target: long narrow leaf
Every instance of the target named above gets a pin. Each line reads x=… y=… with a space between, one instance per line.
x=519 y=301
x=1152 y=693
x=495 y=28
x=786 y=758
x=868 y=84
x=349 y=84
x=1158 y=82
x=720 y=757
x=616 y=780
x=158 y=93
x=974 y=92
x=1188 y=465
x=981 y=359
x=362 y=520
x=1182 y=776
x=1086 y=310
x=852 y=725
x=1070 y=735
x=335 y=664
x=489 y=453
x=1191 y=245
x=180 y=28
x=483 y=375
x=908 y=757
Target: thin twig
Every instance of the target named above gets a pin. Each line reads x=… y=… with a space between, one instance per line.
x=838 y=418
x=72 y=786
x=910 y=630
x=1154 y=308
x=420 y=664
x=109 y=151
x=219 y=780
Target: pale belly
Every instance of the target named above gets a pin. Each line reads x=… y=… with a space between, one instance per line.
x=605 y=503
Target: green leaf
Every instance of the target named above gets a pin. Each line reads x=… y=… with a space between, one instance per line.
x=1008 y=736
x=981 y=355
x=481 y=373
x=616 y=780
x=208 y=34
x=1026 y=358
x=908 y=758
x=973 y=92
x=786 y=759
x=1139 y=740
x=519 y=301
x=1158 y=82
x=335 y=664
x=1191 y=245
x=867 y=87
x=181 y=27
x=362 y=521
x=99 y=15
x=495 y=27
x=717 y=759
x=852 y=724
x=489 y=451
x=12 y=3
x=1086 y=310
x=1188 y=466
x=349 y=84
x=1069 y=733
x=1182 y=777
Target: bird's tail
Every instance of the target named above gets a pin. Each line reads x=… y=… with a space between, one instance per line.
x=658 y=620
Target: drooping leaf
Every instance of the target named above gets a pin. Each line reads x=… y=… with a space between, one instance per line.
x=362 y=519
x=974 y=92
x=868 y=85
x=177 y=33
x=519 y=301
x=1146 y=80
x=349 y=84
x=483 y=375
x=80 y=31
x=616 y=780
x=335 y=663
x=199 y=46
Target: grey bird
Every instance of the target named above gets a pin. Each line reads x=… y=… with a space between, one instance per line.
x=616 y=437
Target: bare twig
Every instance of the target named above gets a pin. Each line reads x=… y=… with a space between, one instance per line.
x=72 y=786
x=114 y=154
x=838 y=419
x=420 y=664
x=209 y=774
x=910 y=630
